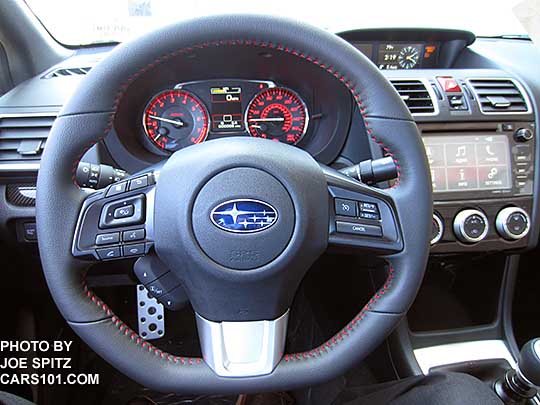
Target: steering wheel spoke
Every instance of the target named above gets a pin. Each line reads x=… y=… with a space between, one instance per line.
x=242 y=349
x=117 y=222
x=361 y=218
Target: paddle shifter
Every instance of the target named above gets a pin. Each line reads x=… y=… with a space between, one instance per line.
x=520 y=385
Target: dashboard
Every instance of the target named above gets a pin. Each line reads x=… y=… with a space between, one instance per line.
x=474 y=104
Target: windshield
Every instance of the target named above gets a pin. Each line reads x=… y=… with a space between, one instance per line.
x=77 y=22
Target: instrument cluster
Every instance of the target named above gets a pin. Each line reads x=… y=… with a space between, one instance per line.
x=195 y=111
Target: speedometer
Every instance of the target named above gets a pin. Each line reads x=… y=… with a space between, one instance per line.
x=175 y=119
x=278 y=114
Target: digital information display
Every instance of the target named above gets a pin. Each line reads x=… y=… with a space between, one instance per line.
x=226 y=109
x=469 y=162
x=399 y=56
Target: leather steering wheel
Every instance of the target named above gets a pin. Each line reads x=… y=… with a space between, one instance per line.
x=240 y=285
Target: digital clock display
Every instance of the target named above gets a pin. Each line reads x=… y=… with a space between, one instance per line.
x=399 y=56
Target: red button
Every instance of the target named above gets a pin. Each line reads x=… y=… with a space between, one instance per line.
x=449 y=84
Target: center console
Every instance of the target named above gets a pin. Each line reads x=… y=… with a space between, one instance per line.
x=482 y=179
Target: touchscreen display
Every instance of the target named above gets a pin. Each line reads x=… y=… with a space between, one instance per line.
x=468 y=162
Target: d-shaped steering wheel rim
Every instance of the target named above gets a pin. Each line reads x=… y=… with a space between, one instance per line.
x=406 y=207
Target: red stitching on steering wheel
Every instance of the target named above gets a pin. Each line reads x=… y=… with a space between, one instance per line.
x=343 y=333
x=336 y=339
x=134 y=336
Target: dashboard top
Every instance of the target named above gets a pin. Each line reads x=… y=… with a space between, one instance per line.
x=410 y=48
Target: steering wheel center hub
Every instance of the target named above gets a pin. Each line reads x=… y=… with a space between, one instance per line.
x=243 y=218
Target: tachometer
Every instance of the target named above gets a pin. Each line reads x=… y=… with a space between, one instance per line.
x=175 y=119
x=278 y=114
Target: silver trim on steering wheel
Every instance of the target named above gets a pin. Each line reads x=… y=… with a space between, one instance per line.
x=242 y=349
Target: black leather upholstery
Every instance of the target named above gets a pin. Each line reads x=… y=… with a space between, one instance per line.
x=88 y=116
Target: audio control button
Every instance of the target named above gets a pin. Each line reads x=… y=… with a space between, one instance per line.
x=513 y=223
x=471 y=226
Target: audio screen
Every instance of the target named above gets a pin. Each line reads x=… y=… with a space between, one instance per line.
x=468 y=162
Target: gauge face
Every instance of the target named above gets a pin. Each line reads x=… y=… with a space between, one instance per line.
x=175 y=119
x=408 y=57
x=278 y=114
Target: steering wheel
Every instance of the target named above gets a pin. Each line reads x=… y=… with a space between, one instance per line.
x=240 y=284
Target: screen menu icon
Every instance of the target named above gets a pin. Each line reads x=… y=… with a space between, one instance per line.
x=468 y=162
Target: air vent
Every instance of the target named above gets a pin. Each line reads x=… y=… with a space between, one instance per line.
x=498 y=96
x=22 y=138
x=62 y=72
x=416 y=96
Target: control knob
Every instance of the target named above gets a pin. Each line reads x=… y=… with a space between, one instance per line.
x=523 y=135
x=513 y=223
x=471 y=226
x=437 y=229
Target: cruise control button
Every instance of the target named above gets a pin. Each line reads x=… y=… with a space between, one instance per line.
x=139 y=182
x=117 y=188
x=369 y=215
x=124 y=212
x=133 y=235
x=134 y=250
x=368 y=207
x=345 y=207
x=359 y=229
x=107 y=238
x=109 y=253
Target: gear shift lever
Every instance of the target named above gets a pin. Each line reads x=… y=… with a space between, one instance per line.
x=518 y=386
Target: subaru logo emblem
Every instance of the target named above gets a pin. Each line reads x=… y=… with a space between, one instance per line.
x=244 y=216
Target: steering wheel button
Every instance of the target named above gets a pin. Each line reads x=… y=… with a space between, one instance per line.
x=369 y=215
x=133 y=235
x=124 y=212
x=359 y=229
x=368 y=207
x=346 y=208
x=109 y=253
x=134 y=250
x=107 y=238
x=128 y=211
x=117 y=188
x=139 y=182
